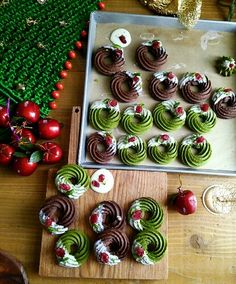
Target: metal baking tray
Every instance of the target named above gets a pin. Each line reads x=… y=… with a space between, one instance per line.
x=217 y=38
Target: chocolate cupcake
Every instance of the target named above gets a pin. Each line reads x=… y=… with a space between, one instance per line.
x=111 y=247
x=109 y=59
x=107 y=215
x=126 y=86
x=104 y=140
x=57 y=214
x=151 y=55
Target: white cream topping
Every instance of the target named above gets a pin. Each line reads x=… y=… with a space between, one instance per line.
x=136 y=223
x=114 y=48
x=124 y=144
x=142 y=259
x=67 y=260
x=116 y=37
x=138 y=86
x=157 y=141
x=150 y=42
x=98 y=227
x=226 y=63
x=76 y=190
x=56 y=229
x=99 y=248
x=104 y=105
x=113 y=143
x=161 y=76
x=106 y=185
x=132 y=111
x=191 y=77
x=220 y=94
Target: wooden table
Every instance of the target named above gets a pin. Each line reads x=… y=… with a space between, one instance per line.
x=202 y=247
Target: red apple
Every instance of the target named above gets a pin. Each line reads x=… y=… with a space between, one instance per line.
x=49 y=128
x=6 y=154
x=52 y=152
x=185 y=202
x=4 y=117
x=28 y=110
x=23 y=166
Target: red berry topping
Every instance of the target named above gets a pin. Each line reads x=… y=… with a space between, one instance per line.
x=228 y=90
x=101 y=178
x=78 y=45
x=204 y=107
x=198 y=76
x=68 y=65
x=123 y=39
x=101 y=5
x=93 y=218
x=71 y=54
x=231 y=65
x=156 y=44
x=117 y=54
x=112 y=103
x=108 y=140
x=83 y=33
x=60 y=252
x=200 y=139
x=55 y=94
x=104 y=257
x=59 y=86
x=4 y=117
x=139 y=251
x=95 y=183
x=48 y=222
x=52 y=105
x=170 y=75
x=138 y=109
x=64 y=186
x=134 y=81
x=63 y=74
x=137 y=215
x=165 y=137
x=179 y=111
x=131 y=139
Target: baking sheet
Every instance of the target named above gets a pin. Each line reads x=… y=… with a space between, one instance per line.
x=188 y=51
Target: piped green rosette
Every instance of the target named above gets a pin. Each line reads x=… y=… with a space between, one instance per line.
x=226 y=66
x=158 y=155
x=72 y=249
x=149 y=247
x=140 y=209
x=201 y=118
x=136 y=119
x=72 y=180
x=105 y=114
x=169 y=115
x=194 y=150
x=131 y=149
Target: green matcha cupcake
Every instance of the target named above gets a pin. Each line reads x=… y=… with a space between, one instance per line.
x=149 y=247
x=104 y=115
x=226 y=66
x=169 y=115
x=194 y=150
x=72 y=249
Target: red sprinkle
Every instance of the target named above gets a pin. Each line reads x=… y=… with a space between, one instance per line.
x=200 y=139
x=165 y=137
x=112 y=103
x=93 y=218
x=179 y=110
x=138 y=109
x=60 y=252
x=123 y=39
x=101 y=178
x=131 y=139
x=137 y=215
x=48 y=222
x=64 y=186
x=59 y=86
x=104 y=257
x=108 y=140
x=95 y=183
x=170 y=75
x=139 y=251
x=198 y=76
x=156 y=44
x=231 y=65
x=204 y=107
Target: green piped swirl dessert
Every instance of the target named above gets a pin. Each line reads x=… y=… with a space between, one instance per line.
x=72 y=180
x=136 y=119
x=149 y=247
x=66 y=256
x=169 y=115
x=226 y=66
x=194 y=150
x=131 y=149
x=105 y=114
x=140 y=209
x=201 y=118
x=158 y=155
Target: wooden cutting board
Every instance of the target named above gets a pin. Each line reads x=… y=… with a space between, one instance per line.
x=128 y=186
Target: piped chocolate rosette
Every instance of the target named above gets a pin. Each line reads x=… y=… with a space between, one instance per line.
x=104 y=114
x=111 y=247
x=57 y=214
x=162 y=149
x=163 y=85
x=201 y=118
x=145 y=213
x=226 y=66
x=101 y=147
x=149 y=247
x=195 y=87
x=131 y=149
x=126 y=86
x=194 y=150
x=109 y=59
x=151 y=55
x=169 y=115
x=72 y=249
x=224 y=103
x=72 y=180
x=107 y=215
x=136 y=119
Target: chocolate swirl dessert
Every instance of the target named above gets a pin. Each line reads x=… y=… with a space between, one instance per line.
x=163 y=85
x=224 y=103
x=151 y=55
x=57 y=214
x=101 y=147
x=198 y=81
x=109 y=59
x=107 y=215
x=111 y=247
x=126 y=86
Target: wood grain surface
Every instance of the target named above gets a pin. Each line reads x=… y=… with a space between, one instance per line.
x=201 y=247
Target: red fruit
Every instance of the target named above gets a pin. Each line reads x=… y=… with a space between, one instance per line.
x=139 y=251
x=231 y=65
x=198 y=76
x=185 y=202
x=200 y=139
x=112 y=103
x=78 y=45
x=108 y=140
x=93 y=218
x=63 y=74
x=104 y=257
x=4 y=117
x=83 y=33
x=131 y=139
x=52 y=152
x=95 y=183
x=28 y=110
x=55 y=94
x=123 y=39
x=204 y=107
x=48 y=222
x=49 y=128
x=179 y=110
x=60 y=252
x=137 y=215
x=138 y=109
x=59 y=86
x=101 y=178
x=165 y=137
x=156 y=44
x=71 y=54
x=52 y=105
x=23 y=166
x=170 y=75
x=26 y=134
x=6 y=154
x=64 y=186
x=101 y=5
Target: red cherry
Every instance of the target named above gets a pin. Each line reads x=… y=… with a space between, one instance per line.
x=6 y=154
x=139 y=251
x=4 y=117
x=60 y=252
x=156 y=44
x=52 y=152
x=165 y=137
x=112 y=103
x=101 y=178
x=26 y=134
x=231 y=65
x=179 y=110
x=101 y=5
x=131 y=139
x=49 y=128
x=104 y=257
x=134 y=81
x=170 y=75
x=55 y=94
x=30 y=111
x=68 y=65
x=108 y=140
x=198 y=76
x=63 y=74
x=138 y=109
x=185 y=202
x=204 y=107
x=200 y=139
x=78 y=45
x=93 y=218
x=48 y=222
x=137 y=215
x=95 y=183
x=64 y=186
x=83 y=33
x=23 y=166
x=59 y=86
x=123 y=39
x=72 y=54
x=52 y=105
